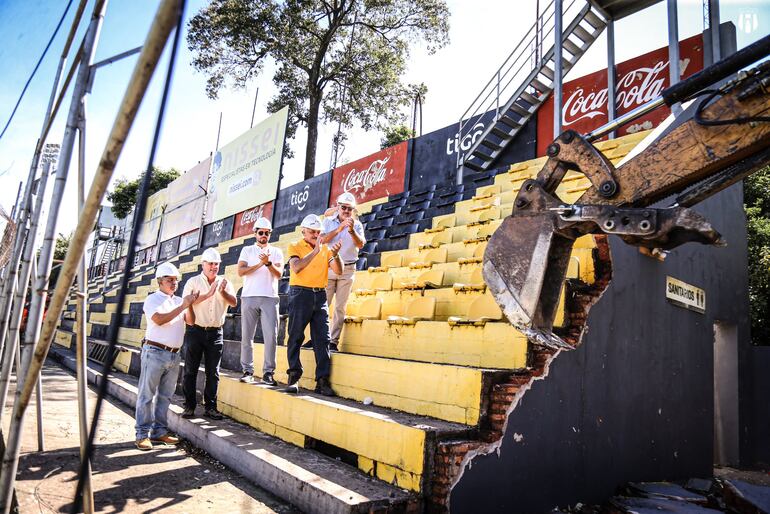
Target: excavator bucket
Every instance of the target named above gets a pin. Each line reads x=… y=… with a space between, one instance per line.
x=525 y=264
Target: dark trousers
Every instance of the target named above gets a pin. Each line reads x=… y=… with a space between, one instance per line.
x=203 y=345
x=308 y=306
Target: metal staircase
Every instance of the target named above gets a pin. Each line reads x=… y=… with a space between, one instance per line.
x=524 y=81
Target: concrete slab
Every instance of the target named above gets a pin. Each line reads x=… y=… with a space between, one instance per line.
x=655 y=506
x=747 y=498
x=305 y=478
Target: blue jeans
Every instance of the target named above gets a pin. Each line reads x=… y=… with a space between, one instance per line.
x=200 y=345
x=157 y=381
x=307 y=306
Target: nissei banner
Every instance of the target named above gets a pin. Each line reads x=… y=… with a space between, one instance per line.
x=244 y=221
x=186 y=199
x=377 y=175
x=148 y=233
x=638 y=81
x=295 y=202
x=245 y=172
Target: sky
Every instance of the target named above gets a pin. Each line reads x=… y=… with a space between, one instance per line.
x=482 y=34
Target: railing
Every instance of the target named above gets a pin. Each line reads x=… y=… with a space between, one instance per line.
x=526 y=57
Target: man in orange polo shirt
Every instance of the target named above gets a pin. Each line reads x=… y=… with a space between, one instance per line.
x=309 y=262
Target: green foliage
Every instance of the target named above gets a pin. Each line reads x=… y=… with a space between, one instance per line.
x=395 y=134
x=62 y=245
x=757 y=199
x=325 y=52
x=124 y=196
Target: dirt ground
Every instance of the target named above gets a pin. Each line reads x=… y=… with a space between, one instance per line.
x=180 y=479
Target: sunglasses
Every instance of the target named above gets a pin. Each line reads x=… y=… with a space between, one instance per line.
x=346 y=208
x=263 y=233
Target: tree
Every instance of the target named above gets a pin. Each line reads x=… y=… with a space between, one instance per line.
x=126 y=192
x=757 y=204
x=325 y=51
x=62 y=245
x=395 y=135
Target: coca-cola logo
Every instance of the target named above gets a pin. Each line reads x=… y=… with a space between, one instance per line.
x=217 y=228
x=249 y=217
x=635 y=88
x=362 y=181
x=299 y=198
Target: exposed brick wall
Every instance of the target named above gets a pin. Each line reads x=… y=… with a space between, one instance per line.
x=452 y=457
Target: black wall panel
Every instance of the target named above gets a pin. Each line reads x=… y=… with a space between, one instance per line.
x=295 y=202
x=215 y=233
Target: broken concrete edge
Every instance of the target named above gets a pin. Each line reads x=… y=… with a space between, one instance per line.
x=307 y=490
x=466 y=451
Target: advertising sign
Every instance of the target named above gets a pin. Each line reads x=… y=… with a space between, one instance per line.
x=245 y=172
x=377 y=175
x=308 y=197
x=148 y=233
x=685 y=295
x=435 y=155
x=168 y=249
x=638 y=81
x=188 y=240
x=218 y=231
x=244 y=221
x=186 y=198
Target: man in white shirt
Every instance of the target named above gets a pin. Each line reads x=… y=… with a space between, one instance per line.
x=342 y=228
x=260 y=265
x=203 y=337
x=160 y=358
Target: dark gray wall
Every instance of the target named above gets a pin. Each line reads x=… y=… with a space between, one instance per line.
x=635 y=401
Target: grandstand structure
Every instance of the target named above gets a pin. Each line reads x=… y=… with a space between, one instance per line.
x=442 y=403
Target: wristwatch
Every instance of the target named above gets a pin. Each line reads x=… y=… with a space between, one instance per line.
x=268 y=263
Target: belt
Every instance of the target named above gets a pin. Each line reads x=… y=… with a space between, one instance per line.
x=350 y=263
x=314 y=289
x=161 y=346
x=207 y=329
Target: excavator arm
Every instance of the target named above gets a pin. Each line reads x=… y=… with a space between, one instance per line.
x=722 y=137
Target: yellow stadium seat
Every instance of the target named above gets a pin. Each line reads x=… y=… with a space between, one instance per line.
x=476 y=283
x=391 y=260
x=431 y=279
x=422 y=308
x=482 y=310
x=380 y=282
x=371 y=308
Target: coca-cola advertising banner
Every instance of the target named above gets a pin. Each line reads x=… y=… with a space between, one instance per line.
x=380 y=174
x=295 y=202
x=638 y=81
x=244 y=221
x=219 y=231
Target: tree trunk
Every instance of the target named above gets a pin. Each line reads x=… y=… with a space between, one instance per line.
x=312 y=135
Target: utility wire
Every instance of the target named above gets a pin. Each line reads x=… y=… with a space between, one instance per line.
x=32 y=75
x=141 y=204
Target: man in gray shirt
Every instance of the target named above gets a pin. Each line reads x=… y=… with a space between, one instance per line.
x=342 y=228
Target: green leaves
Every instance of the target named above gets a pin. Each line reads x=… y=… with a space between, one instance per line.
x=339 y=61
x=757 y=203
x=395 y=135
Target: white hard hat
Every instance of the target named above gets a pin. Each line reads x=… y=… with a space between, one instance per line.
x=262 y=223
x=312 y=222
x=347 y=199
x=211 y=255
x=167 y=270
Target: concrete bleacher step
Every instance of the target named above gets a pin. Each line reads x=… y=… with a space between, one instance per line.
x=394 y=446
x=448 y=392
x=311 y=481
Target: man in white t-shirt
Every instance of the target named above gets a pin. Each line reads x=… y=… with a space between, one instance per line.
x=160 y=358
x=260 y=265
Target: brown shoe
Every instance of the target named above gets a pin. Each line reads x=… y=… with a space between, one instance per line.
x=144 y=444
x=165 y=439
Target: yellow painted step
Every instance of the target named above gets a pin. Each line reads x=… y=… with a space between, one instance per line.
x=451 y=393
x=392 y=439
x=495 y=345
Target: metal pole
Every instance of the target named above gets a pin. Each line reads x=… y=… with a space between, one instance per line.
x=38 y=395
x=24 y=276
x=219 y=131
x=80 y=324
x=16 y=203
x=716 y=41
x=39 y=294
x=164 y=22
x=673 y=50
x=254 y=109
x=611 y=107
x=558 y=72
x=9 y=285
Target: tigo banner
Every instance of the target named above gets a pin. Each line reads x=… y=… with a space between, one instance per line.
x=245 y=172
